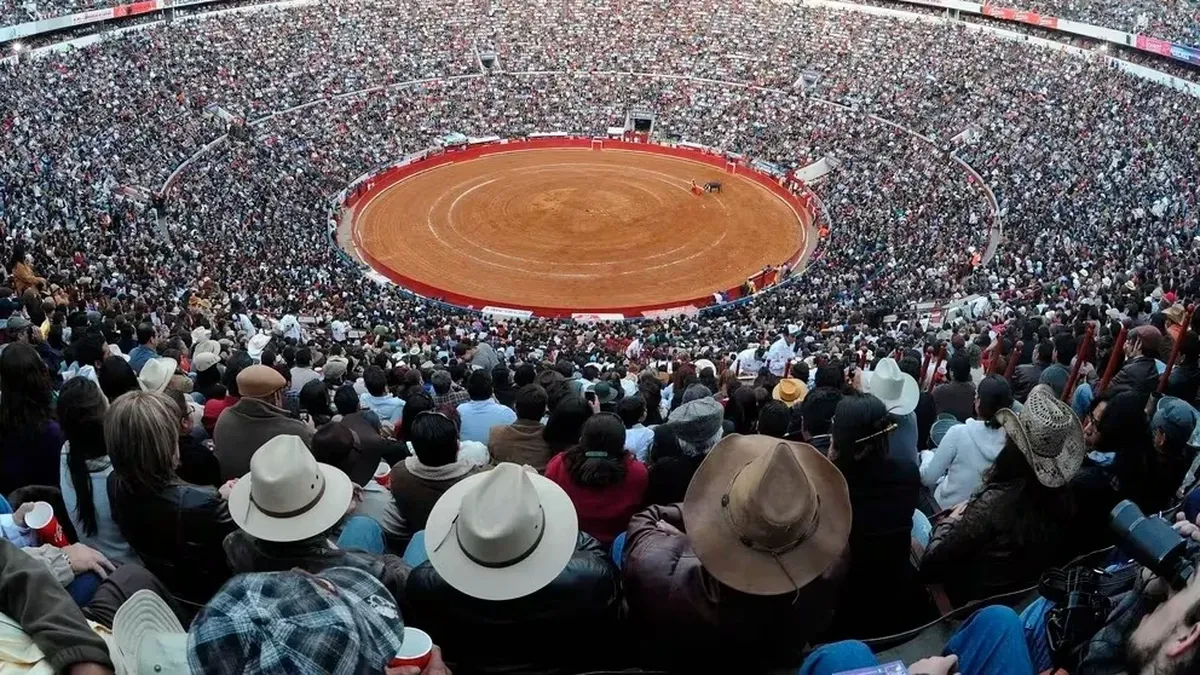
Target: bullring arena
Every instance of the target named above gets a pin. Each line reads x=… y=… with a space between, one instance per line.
x=571 y=226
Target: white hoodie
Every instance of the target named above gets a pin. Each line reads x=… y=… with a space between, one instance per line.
x=957 y=467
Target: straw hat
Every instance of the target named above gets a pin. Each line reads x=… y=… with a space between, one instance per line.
x=898 y=390
x=156 y=373
x=502 y=534
x=767 y=516
x=790 y=390
x=288 y=496
x=1049 y=435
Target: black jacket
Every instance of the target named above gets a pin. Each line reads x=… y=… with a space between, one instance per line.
x=1139 y=374
x=247 y=554
x=1025 y=378
x=554 y=630
x=177 y=533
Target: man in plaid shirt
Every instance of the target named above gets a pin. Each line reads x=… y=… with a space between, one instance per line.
x=445 y=391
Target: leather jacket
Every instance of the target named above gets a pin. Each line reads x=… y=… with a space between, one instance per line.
x=247 y=554
x=554 y=630
x=684 y=620
x=177 y=533
x=1140 y=374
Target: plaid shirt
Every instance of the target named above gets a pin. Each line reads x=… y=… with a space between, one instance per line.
x=455 y=396
x=342 y=621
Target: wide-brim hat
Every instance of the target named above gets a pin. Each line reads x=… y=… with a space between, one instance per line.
x=766 y=516
x=789 y=390
x=288 y=495
x=156 y=373
x=502 y=534
x=148 y=638
x=701 y=364
x=897 y=389
x=205 y=360
x=257 y=344
x=1175 y=314
x=1048 y=434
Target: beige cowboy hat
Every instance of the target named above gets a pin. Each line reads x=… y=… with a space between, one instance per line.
x=502 y=534
x=898 y=390
x=147 y=637
x=288 y=496
x=156 y=373
x=790 y=390
x=1049 y=435
x=767 y=516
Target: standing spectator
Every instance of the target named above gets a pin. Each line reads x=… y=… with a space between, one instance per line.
x=255 y=419
x=85 y=470
x=968 y=450
x=956 y=397
x=604 y=481
x=522 y=442
x=378 y=399
x=175 y=528
x=1020 y=520
x=30 y=439
x=482 y=412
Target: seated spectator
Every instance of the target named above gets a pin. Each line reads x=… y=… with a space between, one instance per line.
x=680 y=445
x=745 y=574
x=85 y=470
x=968 y=450
x=256 y=418
x=482 y=412
x=116 y=377
x=1059 y=372
x=287 y=519
x=1140 y=371
x=1026 y=376
x=604 y=481
x=1019 y=521
x=367 y=425
x=503 y=559
x=502 y=386
x=900 y=394
x=774 y=419
x=566 y=423
x=741 y=411
x=638 y=438
x=336 y=445
x=30 y=440
x=926 y=409
x=435 y=465
x=378 y=399
x=314 y=403
x=303 y=373
x=817 y=413
x=956 y=397
x=174 y=527
x=445 y=390
x=145 y=349
x=156 y=374
x=216 y=404
x=197 y=463
x=1171 y=429
x=522 y=442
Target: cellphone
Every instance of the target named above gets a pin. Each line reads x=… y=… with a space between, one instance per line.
x=590 y=396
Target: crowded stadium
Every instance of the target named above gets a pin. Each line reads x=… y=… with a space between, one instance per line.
x=816 y=336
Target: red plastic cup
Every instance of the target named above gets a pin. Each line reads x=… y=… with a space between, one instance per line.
x=383 y=474
x=417 y=649
x=41 y=520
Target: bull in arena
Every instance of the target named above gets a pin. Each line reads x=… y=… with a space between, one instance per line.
x=712 y=186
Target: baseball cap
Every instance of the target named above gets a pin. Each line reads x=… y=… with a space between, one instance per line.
x=342 y=620
x=1175 y=418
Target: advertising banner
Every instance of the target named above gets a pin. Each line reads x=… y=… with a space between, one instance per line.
x=1021 y=15
x=1169 y=49
x=505 y=313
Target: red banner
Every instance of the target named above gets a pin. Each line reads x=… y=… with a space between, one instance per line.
x=1153 y=44
x=1021 y=15
x=135 y=8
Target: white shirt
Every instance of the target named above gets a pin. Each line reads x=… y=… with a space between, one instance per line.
x=779 y=354
x=748 y=362
x=246 y=325
x=289 y=327
x=338 y=328
x=638 y=440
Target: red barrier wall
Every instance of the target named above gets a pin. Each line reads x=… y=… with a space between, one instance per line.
x=389 y=177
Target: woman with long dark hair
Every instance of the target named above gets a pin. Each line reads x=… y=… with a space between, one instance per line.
x=883 y=494
x=86 y=467
x=1020 y=520
x=314 y=401
x=116 y=377
x=742 y=410
x=605 y=482
x=566 y=423
x=30 y=439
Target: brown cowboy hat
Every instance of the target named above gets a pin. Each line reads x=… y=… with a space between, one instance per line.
x=766 y=516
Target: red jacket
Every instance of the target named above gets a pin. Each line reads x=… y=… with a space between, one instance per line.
x=603 y=512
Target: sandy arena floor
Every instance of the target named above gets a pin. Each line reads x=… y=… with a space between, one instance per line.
x=592 y=230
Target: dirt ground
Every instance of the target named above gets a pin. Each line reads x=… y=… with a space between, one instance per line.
x=593 y=230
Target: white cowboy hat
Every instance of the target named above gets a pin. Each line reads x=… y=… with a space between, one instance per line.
x=148 y=638
x=200 y=334
x=898 y=390
x=288 y=496
x=257 y=344
x=1048 y=433
x=502 y=534
x=701 y=364
x=156 y=373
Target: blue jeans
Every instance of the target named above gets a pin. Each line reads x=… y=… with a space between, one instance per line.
x=618 y=548
x=1036 y=639
x=361 y=533
x=991 y=642
x=84 y=587
x=415 y=553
